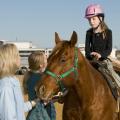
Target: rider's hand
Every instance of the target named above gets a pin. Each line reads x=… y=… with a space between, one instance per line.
x=96 y=55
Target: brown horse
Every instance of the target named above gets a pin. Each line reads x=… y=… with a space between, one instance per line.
x=89 y=97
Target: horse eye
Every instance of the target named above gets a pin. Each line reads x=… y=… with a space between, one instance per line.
x=63 y=60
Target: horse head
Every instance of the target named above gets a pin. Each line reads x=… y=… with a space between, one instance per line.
x=61 y=69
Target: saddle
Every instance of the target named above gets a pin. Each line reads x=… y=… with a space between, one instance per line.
x=102 y=68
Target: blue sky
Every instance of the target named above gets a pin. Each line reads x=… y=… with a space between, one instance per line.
x=38 y=20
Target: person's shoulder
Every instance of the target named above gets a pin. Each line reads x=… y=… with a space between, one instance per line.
x=109 y=30
x=90 y=30
x=10 y=81
x=5 y=83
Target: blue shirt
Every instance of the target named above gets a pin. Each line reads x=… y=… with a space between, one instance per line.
x=31 y=83
x=12 y=106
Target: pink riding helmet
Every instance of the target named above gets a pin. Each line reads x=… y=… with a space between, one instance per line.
x=93 y=10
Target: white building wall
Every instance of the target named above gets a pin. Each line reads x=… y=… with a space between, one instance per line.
x=23 y=45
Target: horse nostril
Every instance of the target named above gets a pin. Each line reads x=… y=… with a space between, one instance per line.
x=42 y=89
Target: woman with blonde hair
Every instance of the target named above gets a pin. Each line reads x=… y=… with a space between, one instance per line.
x=12 y=106
x=37 y=63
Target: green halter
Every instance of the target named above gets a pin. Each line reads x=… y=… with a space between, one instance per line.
x=59 y=78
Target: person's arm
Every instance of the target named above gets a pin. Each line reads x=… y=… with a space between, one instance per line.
x=27 y=106
x=88 y=45
x=30 y=104
x=8 y=106
x=108 y=49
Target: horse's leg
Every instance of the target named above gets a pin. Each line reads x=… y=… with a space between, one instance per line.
x=71 y=108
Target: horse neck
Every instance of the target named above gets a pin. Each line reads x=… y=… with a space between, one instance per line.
x=85 y=80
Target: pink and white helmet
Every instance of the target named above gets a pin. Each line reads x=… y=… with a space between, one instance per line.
x=94 y=10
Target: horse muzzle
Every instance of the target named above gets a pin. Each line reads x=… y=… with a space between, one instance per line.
x=44 y=95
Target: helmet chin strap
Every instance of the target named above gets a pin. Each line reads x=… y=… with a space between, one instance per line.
x=96 y=27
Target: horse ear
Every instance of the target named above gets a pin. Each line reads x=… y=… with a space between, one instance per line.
x=57 y=39
x=73 y=39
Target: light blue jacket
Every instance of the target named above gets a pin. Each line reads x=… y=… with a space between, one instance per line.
x=12 y=106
